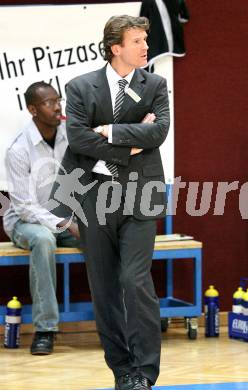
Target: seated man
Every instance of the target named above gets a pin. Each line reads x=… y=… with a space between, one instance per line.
x=32 y=161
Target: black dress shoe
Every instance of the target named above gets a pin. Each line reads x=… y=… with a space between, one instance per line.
x=141 y=383
x=124 y=382
x=42 y=343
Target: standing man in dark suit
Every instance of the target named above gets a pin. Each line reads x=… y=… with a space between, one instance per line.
x=117 y=117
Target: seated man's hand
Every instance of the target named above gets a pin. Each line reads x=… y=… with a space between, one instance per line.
x=72 y=227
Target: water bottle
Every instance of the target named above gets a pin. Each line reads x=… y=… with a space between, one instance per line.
x=12 y=324
x=237 y=301
x=211 y=301
x=245 y=303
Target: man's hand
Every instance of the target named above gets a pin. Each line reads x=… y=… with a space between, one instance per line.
x=102 y=130
x=72 y=227
x=105 y=131
x=149 y=118
x=135 y=151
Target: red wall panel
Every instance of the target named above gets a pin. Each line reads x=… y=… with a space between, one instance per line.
x=211 y=134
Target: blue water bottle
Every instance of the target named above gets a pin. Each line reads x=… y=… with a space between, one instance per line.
x=211 y=301
x=12 y=324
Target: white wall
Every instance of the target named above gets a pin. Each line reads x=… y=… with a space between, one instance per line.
x=55 y=44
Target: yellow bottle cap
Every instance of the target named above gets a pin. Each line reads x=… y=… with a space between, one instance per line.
x=211 y=292
x=245 y=295
x=238 y=293
x=14 y=304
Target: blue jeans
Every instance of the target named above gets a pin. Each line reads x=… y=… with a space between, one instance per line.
x=42 y=270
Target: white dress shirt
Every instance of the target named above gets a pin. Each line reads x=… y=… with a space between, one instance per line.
x=31 y=166
x=113 y=77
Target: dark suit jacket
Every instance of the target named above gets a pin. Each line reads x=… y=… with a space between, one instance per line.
x=89 y=105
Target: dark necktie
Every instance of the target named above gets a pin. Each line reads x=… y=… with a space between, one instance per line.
x=118 y=103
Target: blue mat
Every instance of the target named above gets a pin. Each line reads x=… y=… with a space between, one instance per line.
x=206 y=386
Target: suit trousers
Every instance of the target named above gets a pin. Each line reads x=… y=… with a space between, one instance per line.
x=118 y=260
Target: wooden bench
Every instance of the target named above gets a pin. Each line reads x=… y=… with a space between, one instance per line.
x=164 y=250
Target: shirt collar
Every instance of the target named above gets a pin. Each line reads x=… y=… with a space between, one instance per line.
x=113 y=77
x=36 y=136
